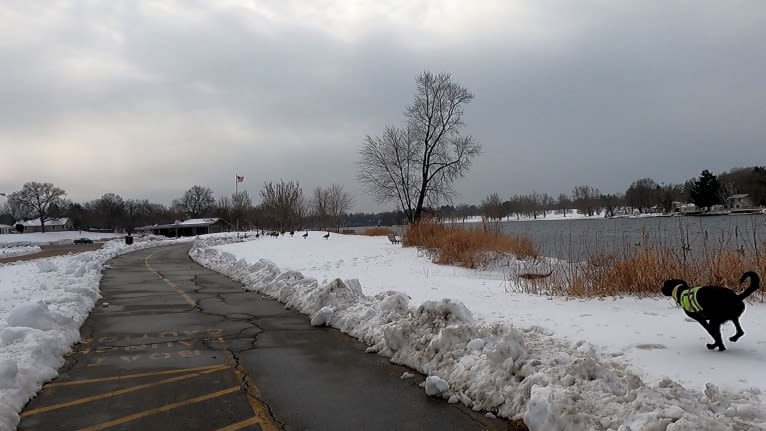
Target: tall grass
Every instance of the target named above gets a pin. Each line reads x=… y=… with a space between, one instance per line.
x=641 y=270
x=636 y=269
x=378 y=231
x=472 y=248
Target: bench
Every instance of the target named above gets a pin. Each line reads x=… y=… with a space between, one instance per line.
x=394 y=239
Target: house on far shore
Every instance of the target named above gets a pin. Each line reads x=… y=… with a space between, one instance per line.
x=685 y=208
x=51 y=225
x=4 y=228
x=190 y=227
x=741 y=201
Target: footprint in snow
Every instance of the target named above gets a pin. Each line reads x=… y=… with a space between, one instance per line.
x=651 y=346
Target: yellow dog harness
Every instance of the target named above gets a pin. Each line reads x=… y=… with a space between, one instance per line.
x=687 y=299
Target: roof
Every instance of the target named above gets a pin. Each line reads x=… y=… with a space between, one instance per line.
x=192 y=222
x=740 y=196
x=198 y=221
x=50 y=222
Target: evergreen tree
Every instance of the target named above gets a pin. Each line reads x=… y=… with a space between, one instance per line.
x=706 y=190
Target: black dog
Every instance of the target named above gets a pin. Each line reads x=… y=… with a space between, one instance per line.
x=712 y=305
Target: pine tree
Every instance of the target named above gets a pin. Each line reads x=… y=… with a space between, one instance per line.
x=706 y=191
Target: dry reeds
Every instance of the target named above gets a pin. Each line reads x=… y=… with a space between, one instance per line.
x=641 y=272
x=470 y=248
x=378 y=231
x=636 y=269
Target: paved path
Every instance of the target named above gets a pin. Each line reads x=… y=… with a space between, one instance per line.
x=174 y=346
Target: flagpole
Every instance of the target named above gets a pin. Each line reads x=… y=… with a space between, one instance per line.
x=236 y=184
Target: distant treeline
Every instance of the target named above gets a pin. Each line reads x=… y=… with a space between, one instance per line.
x=284 y=207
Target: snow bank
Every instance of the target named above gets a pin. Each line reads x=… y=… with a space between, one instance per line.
x=63 y=237
x=43 y=303
x=18 y=250
x=551 y=383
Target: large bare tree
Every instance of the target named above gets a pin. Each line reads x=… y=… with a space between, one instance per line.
x=586 y=199
x=319 y=206
x=241 y=205
x=38 y=199
x=417 y=164
x=198 y=201
x=330 y=204
x=283 y=203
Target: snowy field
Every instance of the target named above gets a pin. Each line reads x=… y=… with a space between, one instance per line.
x=19 y=244
x=620 y=364
x=65 y=237
x=18 y=250
x=43 y=303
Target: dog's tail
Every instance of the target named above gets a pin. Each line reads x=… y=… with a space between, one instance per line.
x=755 y=281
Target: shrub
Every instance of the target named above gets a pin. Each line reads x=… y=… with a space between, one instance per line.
x=378 y=231
x=641 y=272
x=471 y=248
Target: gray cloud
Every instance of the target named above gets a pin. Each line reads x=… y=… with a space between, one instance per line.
x=146 y=100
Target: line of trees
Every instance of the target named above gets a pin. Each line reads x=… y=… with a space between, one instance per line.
x=283 y=208
x=643 y=196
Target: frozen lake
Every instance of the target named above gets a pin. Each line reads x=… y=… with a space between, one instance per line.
x=576 y=239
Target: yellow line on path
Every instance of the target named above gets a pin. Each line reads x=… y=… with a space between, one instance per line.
x=183 y=294
x=240 y=425
x=132 y=376
x=118 y=392
x=252 y=393
x=166 y=408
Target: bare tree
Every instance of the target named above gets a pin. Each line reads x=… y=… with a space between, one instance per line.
x=339 y=203
x=586 y=199
x=37 y=199
x=564 y=204
x=241 y=204
x=137 y=213
x=492 y=207
x=16 y=210
x=196 y=202
x=319 y=206
x=643 y=194
x=283 y=203
x=109 y=211
x=417 y=165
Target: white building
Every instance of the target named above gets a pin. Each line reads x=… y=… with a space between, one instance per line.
x=741 y=201
x=51 y=225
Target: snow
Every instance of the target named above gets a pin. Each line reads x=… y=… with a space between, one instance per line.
x=618 y=363
x=64 y=237
x=21 y=250
x=624 y=364
x=43 y=303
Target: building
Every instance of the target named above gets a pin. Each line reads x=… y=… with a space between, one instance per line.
x=51 y=225
x=190 y=227
x=4 y=228
x=741 y=201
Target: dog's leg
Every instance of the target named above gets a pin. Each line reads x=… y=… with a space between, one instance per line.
x=739 y=333
x=711 y=328
x=714 y=327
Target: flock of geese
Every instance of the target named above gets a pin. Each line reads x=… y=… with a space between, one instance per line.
x=276 y=234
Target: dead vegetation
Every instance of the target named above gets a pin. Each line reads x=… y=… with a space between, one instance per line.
x=378 y=231
x=471 y=248
x=636 y=270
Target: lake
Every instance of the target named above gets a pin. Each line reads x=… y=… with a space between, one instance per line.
x=575 y=240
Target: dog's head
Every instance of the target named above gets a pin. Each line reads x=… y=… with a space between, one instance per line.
x=669 y=285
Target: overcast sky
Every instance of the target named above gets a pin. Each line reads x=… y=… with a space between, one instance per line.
x=148 y=98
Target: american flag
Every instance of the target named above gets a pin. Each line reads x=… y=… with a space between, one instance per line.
x=240 y=179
